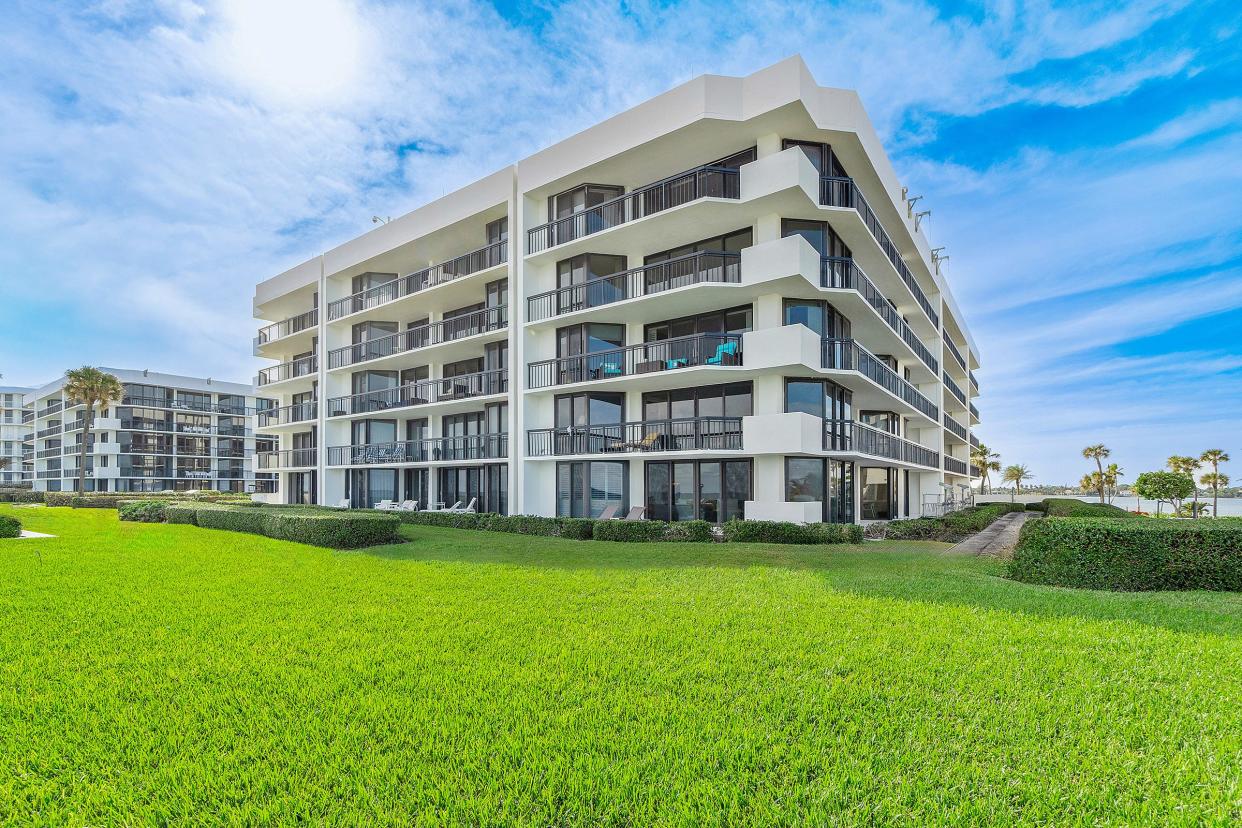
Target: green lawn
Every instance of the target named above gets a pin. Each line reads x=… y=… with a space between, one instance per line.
x=156 y=674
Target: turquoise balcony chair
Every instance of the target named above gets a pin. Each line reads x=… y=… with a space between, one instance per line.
x=724 y=349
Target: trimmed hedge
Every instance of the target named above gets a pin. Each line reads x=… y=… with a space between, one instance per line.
x=1036 y=507
x=181 y=513
x=21 y=496
x=952 y=527
x=630 y=531
x=1134 y=554
x=143 y=511
x=1072 y=507
x=576 y=528
x=58 y=498
x=322 y=527
x=10 y=527
x=776 y=531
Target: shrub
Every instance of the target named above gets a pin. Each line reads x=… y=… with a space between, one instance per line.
x=932 y=529
x=690 y=531
x=774 y=531
x=1072 y=507
x=574 y=528
x=143 y=511
x=20 y=496
x=181 y=514
x=1036 y=507
x=630 y=531
x=10 y=527
x=335 y=530
x=58 y=498
x=233 y=520
x=1130 y=554
x=952 y=527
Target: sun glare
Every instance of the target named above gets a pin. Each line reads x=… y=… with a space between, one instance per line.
x=296 y=51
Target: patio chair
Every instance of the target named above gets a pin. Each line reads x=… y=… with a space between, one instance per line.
x=456 y=507
x=386 y=505
x=646 y=444
x=408 y=506
x=469 y=510
x=724 y=349
x=676 y=362
x=610 y=512
x=635 y=513
x=344 y=504
x=609 y=369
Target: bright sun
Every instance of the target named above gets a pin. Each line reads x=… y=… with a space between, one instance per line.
x=295 y=51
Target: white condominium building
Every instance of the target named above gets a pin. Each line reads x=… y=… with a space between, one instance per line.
x=167 y=432
x=15 y=436
x=715 y=305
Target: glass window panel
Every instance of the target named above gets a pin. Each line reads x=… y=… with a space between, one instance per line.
x=804 y=480
x=806 y=396
x=736 y=490
x=709 y=492
x=659 y=492
x=739 y=400
x=683 y=492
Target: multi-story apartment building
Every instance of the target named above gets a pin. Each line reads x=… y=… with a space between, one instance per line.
x=717 y=304
x=167 y=432
x=16 y=437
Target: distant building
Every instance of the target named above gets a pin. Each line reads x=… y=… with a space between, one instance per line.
x=16 y=438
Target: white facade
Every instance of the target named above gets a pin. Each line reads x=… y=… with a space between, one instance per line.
x=168 y=432
x=15 y=431
x=715 y=305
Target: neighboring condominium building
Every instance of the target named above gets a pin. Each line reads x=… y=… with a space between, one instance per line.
x=16 y=438
x=715 y=305
x=167 y=432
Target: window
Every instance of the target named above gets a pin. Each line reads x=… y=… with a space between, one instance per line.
x=496 y=294
x=373 y=432
x=488 y=486
x=878 y=500
x=819 y=398
x=885 y=421
x=820 y=317
x=368 y=487
x=830 y=482
x=733 y=242
x=711 y=490
x=416 y=486
x=819 y=233
x=497 y=231
x=588 y=268
x=734 y=399
x=367 y=281
x=734 y=321
x=589 y=339
x=588 y=423
x=581 y=198
x=585 y=489
x=821 y=156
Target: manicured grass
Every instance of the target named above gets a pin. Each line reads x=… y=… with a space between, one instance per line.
x=154 y=674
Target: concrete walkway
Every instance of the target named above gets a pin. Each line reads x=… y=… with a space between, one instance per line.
x=998 y=538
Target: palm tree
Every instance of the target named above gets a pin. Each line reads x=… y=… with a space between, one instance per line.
x=986 y=460
x=90 y=387
x=1215 y=481
x=1214 y=457
x=1016 y=475
x=1112 y=475
x=1097 y=453
x=1187 y=466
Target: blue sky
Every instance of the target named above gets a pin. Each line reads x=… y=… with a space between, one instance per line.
x=1083 y=162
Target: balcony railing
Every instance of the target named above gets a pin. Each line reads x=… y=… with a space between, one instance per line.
x=186 y=405
x=435 y=333
x=644 y=358
x=974 y=412
x=263 y=487
x=48 y=474
x=53 y=407
x=842 y=272
x=145 y=471
x=848 y=355
x=954 y=426
x=957 y=355
x=852 y=436
x=974 y=382
x=27 y=417
x=422 y=392
x=691 y=269
x=296 y=413
x=48 y=452
x=975 y=471
x=301 y=367
x=288 y=327
x=702 y=182
x=48 y=432
x=843 y=192
x=286 y=459
x=974 y=441
x=472 y=447
x=473 y=262
x=954 y=389
x=952 y=464
x=688 y=434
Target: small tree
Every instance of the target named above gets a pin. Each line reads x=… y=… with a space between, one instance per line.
x=90 y=387
x=1214 y=457
x=987 y=461
x=1187 y=466
x=1112 y=477
x=1017 y=475
x=1164 y=487
x=1097 y=453
x=1215 y=481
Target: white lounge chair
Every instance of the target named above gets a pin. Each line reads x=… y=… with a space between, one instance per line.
x=610 y=512
x=386 y=506
x=344 y=504
x=408 y=506
x=469 y=510
x=456 y=507
x=635 y=513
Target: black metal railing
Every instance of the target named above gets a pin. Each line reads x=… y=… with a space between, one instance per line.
x=644 y=358
x=856 y=437
x=286 y=414
x=954 y=388
x=848 y=355
x=974 y=381
x=263 y=487
x=687 y=434
x=974 y=412
x=53 y=407
x=186 y=405
x=974 y=441
x=301 y=367
x=952 y=464
x=434 y=333
x=975 y=471
x=844 y=272
x=691 y=269
x=702 y=182
x=471 y=447
x=477 y=260
x=954 y=426
x=27 y=417
x=422 y=392
x=288 y=327
x=286 y=458
x=48 y=452
x=953 y=349
x=48 y=432
x=843 y=192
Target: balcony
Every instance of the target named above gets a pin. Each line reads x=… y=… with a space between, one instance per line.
x=186 y=405
x=953 y=349
x=285 y=415
x=842 y=273
x=691 y=269
x=263 y=487
x=435 y=333
x=975 y=471
x=48 y=474
x=287 y=459
x=954 y=389
x=423 y=392
x=644 y=358
x=848 y=355
x=843 y=192
x=955 y=427
x=27 y=417
x=54 y=407
x=689 y=434
x=50 y=431
x=195 y=474
x=974 y=414
x=302 y=367
x=974 y=441
x=702 y=182
x=48 y=452
x=858 y=438
x=472 y=447
x=145 y=471
x=287 y=327
x=974 y=382
x=955 y=466
x=482 y=259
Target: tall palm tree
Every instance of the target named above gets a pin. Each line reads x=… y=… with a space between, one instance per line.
x=1187 y=466
x=1214 y=457
x=1215 y=481
x=90 y=387
x=987 y=461
x=1112 y=475
x=1016 y=475
x=1097 y=453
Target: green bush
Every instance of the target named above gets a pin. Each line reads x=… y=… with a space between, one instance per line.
x=630 y=531
x=775 y=531
x=691 y=531
x=1072 y=507
x=20 y=496
x=10 y=527
x=143 y=511
x=1036 y=507
x=952 y=527
x=933 y=529
x=58 y=498
x=574 y=528
x=1130 y=554
x=181 y=514
x=233 y=520
x=337 y=531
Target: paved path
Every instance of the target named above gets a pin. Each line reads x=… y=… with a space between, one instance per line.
x=998 y=538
